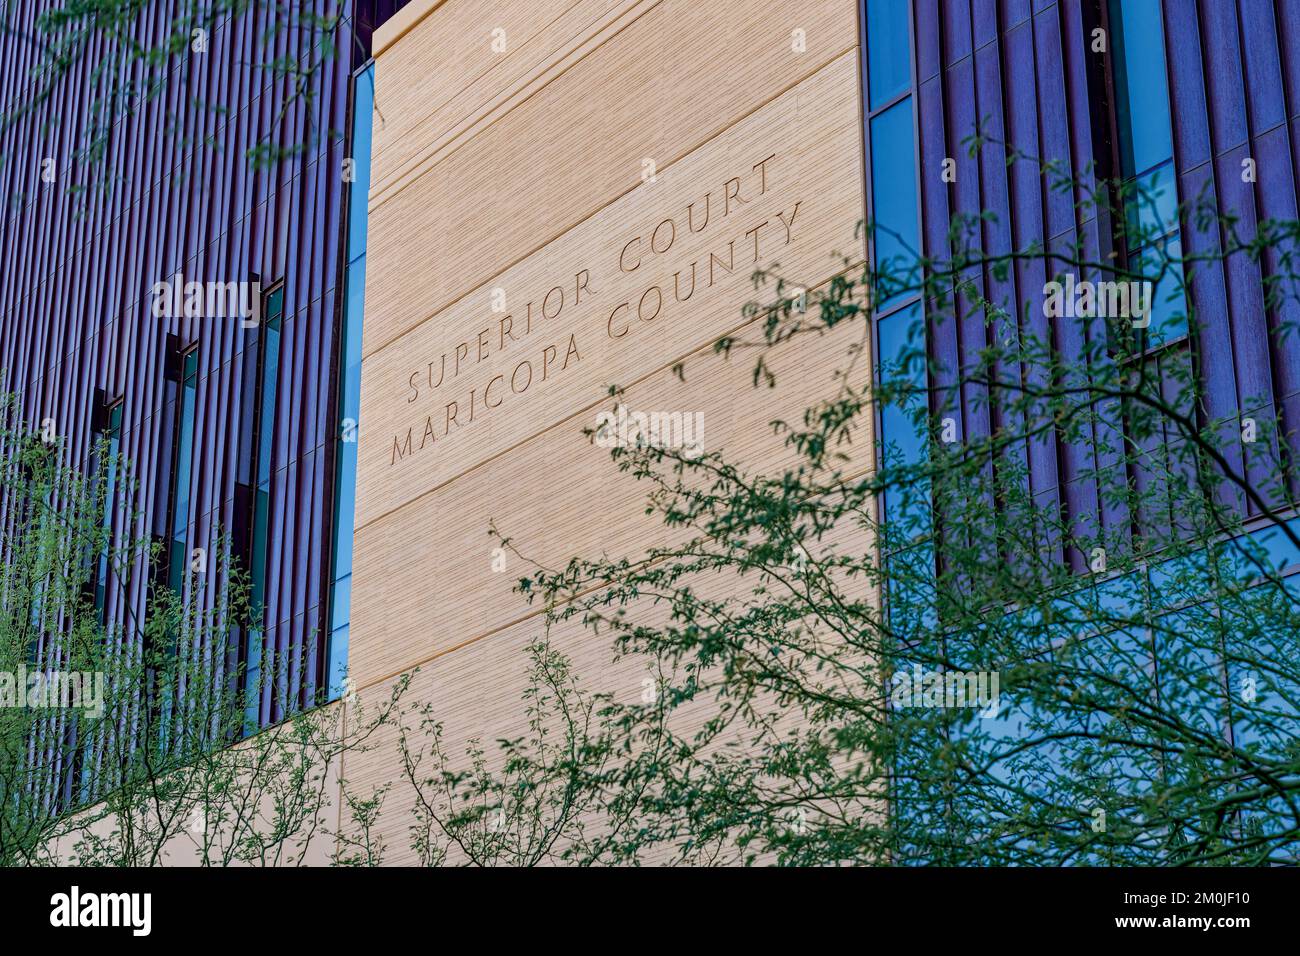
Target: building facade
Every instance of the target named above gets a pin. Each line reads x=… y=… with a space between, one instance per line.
x=557 y=278
x=557 y=197
x=218 y=169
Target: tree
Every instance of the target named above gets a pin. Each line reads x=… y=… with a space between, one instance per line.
x=130 y=740
x=125 y=740
x=975 y=676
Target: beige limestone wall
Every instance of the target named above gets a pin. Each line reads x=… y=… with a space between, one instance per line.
x=570 y=195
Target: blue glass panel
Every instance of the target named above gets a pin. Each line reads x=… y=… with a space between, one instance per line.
x=912 y=614
x=894 y=196
x=269 y=385
x=183 y=470
x=253 y=679
x=1071 y=744
x=907 y=510
x=1278 y=549
x=1169 y=296
x=1190 y=668
x=268 y=391
x=351 y=360
x=338 y=662
x=1122 y=598
x=363 y=107
x=902 y=346
x=903 y=443
x=1178 y=580
x=345 y=509
x=1143 y=101
x=1153 y=205
x=889 y=61
x=349 y=411
x=341 y=599
x=1266 y=715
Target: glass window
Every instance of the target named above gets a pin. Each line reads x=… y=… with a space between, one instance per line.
x=1162 y=261
x=1153 y=204
x=1153 y=235
x=913 y=617
x=112 y=448
x=895 y=253
x=1277 y=548
x=1259 y=645
x=362 y=107
x=1146 y=160
x=1141 y=85
x=182 y=473
x=902 y=433
x=349 y=411
x=894 y=198
x=178 y=522
x=268 y=381
x=889 y=64
x=902 y=346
